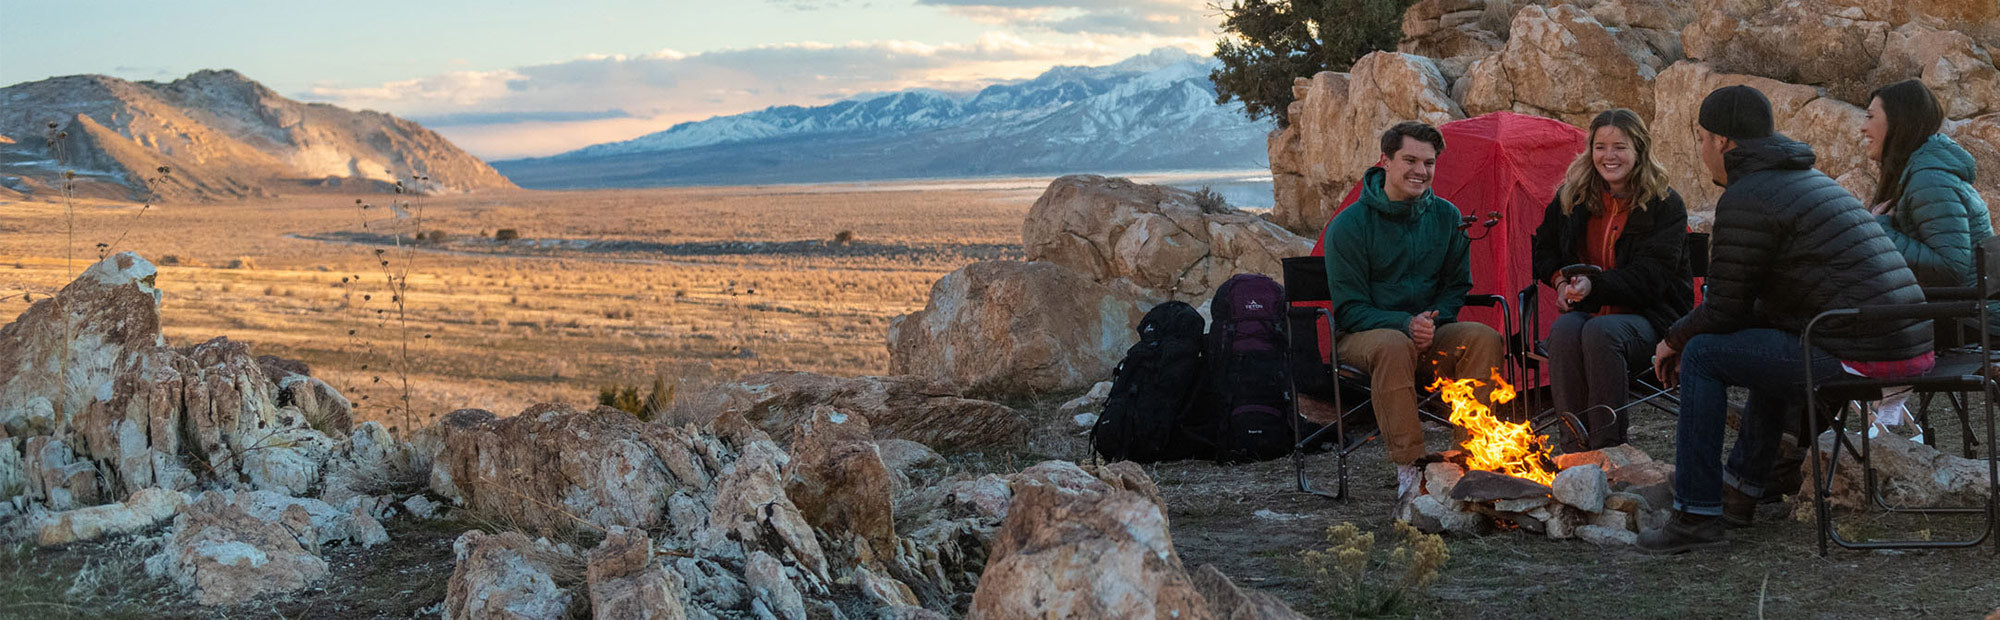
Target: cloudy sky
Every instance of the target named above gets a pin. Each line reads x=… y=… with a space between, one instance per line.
x=513 y=78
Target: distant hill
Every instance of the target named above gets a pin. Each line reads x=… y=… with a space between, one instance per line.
x=1156 y=111
x=221 y=134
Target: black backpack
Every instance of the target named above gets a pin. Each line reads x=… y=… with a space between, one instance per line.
x=1154 y=390
x=1248 y=371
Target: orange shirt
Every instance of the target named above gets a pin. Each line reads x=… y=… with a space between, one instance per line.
x=1601 y=235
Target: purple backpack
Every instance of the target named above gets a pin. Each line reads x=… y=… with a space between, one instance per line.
x=1249 y=381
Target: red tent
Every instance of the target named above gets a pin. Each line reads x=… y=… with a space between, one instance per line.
x=1505 y=162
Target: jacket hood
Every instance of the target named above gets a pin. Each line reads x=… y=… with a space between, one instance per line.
x=1377 y=198
x=1773 y=152
x=1940 y=152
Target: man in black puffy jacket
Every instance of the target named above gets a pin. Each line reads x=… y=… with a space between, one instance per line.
x=1788 y=243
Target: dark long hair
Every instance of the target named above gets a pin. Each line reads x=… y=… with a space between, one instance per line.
x=1914 y=116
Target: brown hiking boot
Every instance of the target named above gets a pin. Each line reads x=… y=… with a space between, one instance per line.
x=1683 y=532
x=1738 y=508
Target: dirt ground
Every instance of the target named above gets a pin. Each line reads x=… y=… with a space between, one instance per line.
x=706 y=284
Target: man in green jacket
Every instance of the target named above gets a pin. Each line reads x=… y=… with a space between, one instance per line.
x=1398 y=269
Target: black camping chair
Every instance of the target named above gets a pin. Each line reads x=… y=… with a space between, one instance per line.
x=1305 y=281
x=1645 y=388
x=1957 y=373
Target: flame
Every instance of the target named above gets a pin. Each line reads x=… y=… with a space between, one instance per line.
x=1493 y=444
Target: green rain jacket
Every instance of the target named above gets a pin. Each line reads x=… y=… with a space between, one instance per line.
x=1940 y=218
x=1388 y=261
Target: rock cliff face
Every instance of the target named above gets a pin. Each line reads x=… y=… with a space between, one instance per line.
x=220 y=134
x=1816 y=59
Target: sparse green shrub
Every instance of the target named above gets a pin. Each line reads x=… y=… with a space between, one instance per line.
x=626 y=398
x=843 y=238
x=1354 y=579
x=437 y=236
x=506 y=234
x=1210 y=201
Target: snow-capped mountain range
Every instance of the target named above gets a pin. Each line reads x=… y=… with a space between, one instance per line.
x=1155 y=111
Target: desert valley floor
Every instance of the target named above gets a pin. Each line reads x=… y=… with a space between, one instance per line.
x=702 y=285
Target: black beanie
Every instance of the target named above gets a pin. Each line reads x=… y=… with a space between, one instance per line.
x=1737 y=113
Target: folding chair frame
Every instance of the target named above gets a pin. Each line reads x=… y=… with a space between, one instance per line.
x=1959 y=374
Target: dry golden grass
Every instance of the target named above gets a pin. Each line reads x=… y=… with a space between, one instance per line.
x=502 y=331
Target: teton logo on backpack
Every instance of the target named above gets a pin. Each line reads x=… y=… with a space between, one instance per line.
x=1248 y=376
x=1154 y=390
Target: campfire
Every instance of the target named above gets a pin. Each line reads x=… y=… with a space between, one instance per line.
x=1492 y=444
x=1502 y=477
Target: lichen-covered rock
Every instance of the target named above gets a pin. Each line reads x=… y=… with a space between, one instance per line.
x=908 y=407
x=1002 y=329
x=144 y=509
x=550 y=466
x=1075 y=546
x=626 y=582
x=98 y=406
x=1151 y=239
x=507 y=576
x=224 y=555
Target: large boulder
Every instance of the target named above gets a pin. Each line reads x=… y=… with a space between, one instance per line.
x=1340 y=117
x=508 y=576
x=97 y=406
x=553 y=469
x=1560 y=63
x=1077 y=545
x=1831 y=126
x=224 y=555
x=1153 y=239
x=908 y=407
x=144 y=509
x=627 y=581
x=1012 y=329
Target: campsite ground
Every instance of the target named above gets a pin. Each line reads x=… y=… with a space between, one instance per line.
x=705 y=284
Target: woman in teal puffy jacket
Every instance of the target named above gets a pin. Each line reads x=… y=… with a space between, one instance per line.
x=1924 y=197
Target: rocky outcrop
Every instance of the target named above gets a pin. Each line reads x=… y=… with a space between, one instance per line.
x=743 y=522
x=1008 y=329
x=97 y=406
x=1560 y=63
x=1338 y=119
x=1452 y=28
x=1835 y=44
x=1830 y=125
x=225 y=555
x=907 y=407
x=1957 y=68
x=508 y=576
x=1077 y=545
x=1153 y=240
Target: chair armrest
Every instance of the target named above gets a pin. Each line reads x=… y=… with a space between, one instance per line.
x=1485 y=301
x=1950 y=293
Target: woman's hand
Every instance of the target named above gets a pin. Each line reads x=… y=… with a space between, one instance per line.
x=1579 y=288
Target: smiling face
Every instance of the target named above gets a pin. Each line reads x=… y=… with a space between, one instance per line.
x=1410 y=169
x=1612 y=153
x=1875 y=130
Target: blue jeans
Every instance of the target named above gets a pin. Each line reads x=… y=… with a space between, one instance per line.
x=1768 y=363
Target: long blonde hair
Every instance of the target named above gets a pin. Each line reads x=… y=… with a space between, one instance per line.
x=1583 y=185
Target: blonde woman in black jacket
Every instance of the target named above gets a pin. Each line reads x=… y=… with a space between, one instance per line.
x=1614 y=213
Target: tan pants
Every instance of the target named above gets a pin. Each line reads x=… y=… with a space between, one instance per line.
x=1458 y=351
